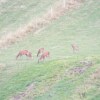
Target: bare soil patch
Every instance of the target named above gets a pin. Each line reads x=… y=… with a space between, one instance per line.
x=25 y=93
x=80 y=69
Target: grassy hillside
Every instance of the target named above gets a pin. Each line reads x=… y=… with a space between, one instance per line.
x=52 y=79
x=16 y=13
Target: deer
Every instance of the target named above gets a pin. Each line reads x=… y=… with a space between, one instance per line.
x=44 y=55
x=24 y=52
x=75 y=48
x=40 y=51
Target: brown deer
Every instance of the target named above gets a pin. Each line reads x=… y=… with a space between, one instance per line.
x=24 y=52
x=43 y=56
x=75 y=48
x=40 y=51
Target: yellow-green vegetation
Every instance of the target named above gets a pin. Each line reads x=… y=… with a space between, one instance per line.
x=56 y=78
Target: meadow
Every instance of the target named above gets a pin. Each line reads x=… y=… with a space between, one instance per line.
x=56 y=78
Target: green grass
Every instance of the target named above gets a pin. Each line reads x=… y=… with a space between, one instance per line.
x=15 y=14
x=80 y=26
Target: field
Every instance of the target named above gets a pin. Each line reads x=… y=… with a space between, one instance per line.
x=64 y=75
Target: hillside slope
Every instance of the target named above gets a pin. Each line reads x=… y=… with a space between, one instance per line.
x=63 y=76
x=16 y=13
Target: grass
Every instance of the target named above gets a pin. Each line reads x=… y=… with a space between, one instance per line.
x=79 y=26
x=15 y=14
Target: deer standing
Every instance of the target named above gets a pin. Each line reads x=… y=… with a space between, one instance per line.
x=75 y=48
x=40 y=51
